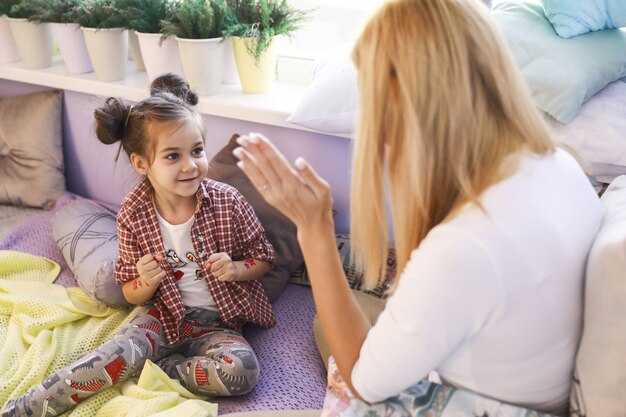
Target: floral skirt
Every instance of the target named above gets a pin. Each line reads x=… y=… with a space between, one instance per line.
x=424 y=399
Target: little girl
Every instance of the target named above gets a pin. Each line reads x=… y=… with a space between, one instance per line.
x=190 y=250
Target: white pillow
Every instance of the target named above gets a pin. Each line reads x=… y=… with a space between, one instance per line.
x=600 y=386
x=598 y=133
x=330 y=102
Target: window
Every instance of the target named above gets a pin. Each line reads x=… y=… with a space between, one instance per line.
x=331 y=24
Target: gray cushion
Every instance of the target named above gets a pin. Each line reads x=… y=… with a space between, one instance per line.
x=280 y=231
x=87 y=236
x=31 y=152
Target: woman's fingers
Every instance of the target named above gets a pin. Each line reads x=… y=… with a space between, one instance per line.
x=249 y=166
x=316 y=184
x=254 y=154
x=267 y=157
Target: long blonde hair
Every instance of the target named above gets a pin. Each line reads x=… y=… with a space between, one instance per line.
x=444 y=111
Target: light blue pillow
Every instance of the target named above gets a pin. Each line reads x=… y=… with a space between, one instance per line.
x=575 y=17
x=561 y=74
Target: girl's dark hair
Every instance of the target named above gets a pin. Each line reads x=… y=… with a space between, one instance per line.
x=171 y=100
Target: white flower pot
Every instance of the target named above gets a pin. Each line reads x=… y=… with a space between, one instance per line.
x=8 y=49
x=72 y=46
x=108 y=50
x=230 y=75
x=159 y=59
x=255 y=78
x=203 y=63
x=135 y=52
x=34 y=42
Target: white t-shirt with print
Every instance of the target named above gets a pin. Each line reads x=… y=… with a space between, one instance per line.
x=492 y=299
x=181 y=256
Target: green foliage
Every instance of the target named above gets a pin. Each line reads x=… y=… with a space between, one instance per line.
x=24 y=10
x=196 y=19
x=261 y=20
x=146 y=15
x=100 y=14
x=42 y=11
x=6 y=5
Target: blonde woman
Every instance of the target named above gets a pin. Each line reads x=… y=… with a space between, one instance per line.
x=492 y=223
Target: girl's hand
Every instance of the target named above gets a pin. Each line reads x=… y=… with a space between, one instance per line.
x=298 y=192
x=222 y=267
x=150 y=272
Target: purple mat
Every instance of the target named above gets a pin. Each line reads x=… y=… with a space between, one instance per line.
x=292 y=373
x=34 y=236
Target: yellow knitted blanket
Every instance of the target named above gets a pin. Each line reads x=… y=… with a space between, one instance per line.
x=44 y=327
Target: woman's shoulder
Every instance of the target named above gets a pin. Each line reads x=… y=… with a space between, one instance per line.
x=541 y=180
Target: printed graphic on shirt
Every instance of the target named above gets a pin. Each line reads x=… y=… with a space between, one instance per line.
x=198 y=275
x=174 y=260
x=178 y=275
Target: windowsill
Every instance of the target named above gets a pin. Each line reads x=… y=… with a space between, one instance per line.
x=271 y=108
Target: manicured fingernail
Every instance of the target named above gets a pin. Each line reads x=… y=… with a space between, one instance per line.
x=253 y=138
x=300 y=163
x=240 y=164
x=238 y=152
x=242 y=140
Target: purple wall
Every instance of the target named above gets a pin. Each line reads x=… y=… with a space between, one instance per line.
x=91 y=172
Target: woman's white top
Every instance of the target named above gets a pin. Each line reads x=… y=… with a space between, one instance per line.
x=492 y=300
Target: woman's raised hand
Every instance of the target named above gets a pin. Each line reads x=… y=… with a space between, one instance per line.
x=298 y=192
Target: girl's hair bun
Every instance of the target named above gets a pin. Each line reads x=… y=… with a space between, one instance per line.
x=176 y=85
x=111 y=120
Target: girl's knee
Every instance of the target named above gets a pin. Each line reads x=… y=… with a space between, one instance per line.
x=242 y=366
x=236 y=372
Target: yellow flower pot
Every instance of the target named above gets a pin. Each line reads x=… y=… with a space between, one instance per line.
x=254 y=78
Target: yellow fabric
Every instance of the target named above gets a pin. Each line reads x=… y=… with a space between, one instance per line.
x=155 y=394
x=44 y=327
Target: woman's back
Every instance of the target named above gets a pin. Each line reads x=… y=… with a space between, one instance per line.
x=493 y=299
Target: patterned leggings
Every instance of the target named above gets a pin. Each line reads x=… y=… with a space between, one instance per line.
x=217 y=361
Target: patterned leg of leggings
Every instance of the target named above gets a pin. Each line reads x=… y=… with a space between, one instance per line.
x=220 y=362
x=111 y=363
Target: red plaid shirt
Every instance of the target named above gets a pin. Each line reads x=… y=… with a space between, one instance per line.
x=224 y=222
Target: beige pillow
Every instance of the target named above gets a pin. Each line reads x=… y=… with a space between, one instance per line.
x=31 y=152
x=600 y=387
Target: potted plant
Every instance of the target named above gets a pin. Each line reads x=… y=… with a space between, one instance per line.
x=144 y=18
x=8 y=49
x=253 y=25
x=107 y=41
x=198 y=26
x=61 y=14
x=32 y=38
x=130 y=8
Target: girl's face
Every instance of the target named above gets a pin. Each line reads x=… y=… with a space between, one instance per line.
x=180 y=162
